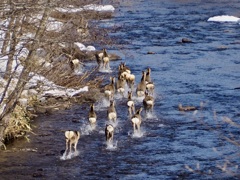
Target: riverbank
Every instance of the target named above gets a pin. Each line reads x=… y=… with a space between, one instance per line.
x=55 y=85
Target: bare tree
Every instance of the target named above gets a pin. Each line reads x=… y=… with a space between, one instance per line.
x=26 y=29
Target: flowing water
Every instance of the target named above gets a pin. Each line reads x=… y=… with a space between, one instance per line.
x=171 y=144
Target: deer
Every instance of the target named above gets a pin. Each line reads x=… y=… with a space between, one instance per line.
x=137 y=120
x=111 y=112
x=109 y=89
x=130 y=104
x=72 y=138
x=126 y=73
x=141 y=88
x=149 y=83
x=148 y=102
x=105 y=59
x=120 y=85
x=109 y=131
x=92 y=116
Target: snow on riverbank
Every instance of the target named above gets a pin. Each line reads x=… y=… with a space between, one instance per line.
x=92 y=7
x=51 y=89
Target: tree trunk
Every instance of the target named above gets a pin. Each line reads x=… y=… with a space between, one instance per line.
x=12 y=49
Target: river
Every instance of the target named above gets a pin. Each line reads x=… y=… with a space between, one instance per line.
x=205 y=73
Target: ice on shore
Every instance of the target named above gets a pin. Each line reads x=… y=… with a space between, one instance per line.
x=224 y=18
x=92 y=7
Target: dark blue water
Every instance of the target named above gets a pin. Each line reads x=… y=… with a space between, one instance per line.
x=173 y=144
x=204 y=72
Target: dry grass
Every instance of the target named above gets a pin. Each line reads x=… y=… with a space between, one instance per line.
x=19 y=124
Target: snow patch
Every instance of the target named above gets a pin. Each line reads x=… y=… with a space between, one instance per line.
x=82 y=47
x=224 y=18
x=93 y=7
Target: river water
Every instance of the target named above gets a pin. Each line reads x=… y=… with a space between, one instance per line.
x=172 y=144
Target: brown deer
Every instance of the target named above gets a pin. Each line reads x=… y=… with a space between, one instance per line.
x=130 y=104
x=72 y=138
x=109 y=89
x=111 y=112
x=141 y=88
x=137 y=120
x=92 y=116
x=109 y=131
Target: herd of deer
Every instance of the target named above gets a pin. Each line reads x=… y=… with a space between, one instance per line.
x=125 y=80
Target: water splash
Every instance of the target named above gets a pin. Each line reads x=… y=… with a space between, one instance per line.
x=78 y=71
x=138 y=99
x=102 y=104
x=137 y=134
x=119 y=96
x=69 y=155
x=111 y=145
x=161 y=125
x=86 y=129
x=114 y=124
x=103 y=70
x=151 y=115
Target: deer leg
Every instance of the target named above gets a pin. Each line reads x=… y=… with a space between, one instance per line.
x=71 y=147
x=75 y=146
x=133 y=108
x=66 y=147
x=130 y=111
x=138 y=127
x=134 y=129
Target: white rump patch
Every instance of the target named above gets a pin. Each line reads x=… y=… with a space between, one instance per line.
x=135 y=120
x=112 y=115
x=110 y=128
x=121 y=90
x=130 y=103
x=140 y=93
x=108 y=92
x=149 y=102
x=92 y=120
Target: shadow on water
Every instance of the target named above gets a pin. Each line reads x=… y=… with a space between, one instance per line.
x=171 y=144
